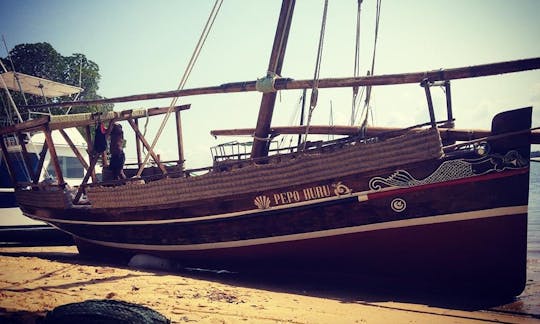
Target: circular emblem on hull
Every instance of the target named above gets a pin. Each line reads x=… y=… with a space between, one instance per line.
x=398 y=205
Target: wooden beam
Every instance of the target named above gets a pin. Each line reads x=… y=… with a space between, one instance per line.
x=54 y=156
x=147 y=146
x=93 y=162
x=290 y=84
x=90 y=148
x=179 y=140
x=446 y=133
x=425 y=84
x=118 y=116
x=138 y=146
x=74 y=148
x=25 y=126
x=26 y=156
x=39 y=167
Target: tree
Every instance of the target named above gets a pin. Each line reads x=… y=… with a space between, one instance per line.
x=42 y=60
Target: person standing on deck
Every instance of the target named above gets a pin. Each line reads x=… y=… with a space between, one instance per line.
x=116 y=164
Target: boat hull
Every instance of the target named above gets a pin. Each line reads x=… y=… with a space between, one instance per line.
x=383 y=209
x=448 y=235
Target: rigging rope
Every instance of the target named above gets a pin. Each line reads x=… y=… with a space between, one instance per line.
x=356 y=71
x=315 y=87
x=187 y=72
x=368 y=88
x=4 y=85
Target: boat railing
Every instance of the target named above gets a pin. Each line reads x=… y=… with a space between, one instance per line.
x=242 y=150
x=241 y=159
x=44 y=185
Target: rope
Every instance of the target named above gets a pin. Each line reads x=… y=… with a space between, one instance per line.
x=13 y=69
x=187 y=72
x=368 y=90
x=316 y=74
x=4 y=85
x=356 y=71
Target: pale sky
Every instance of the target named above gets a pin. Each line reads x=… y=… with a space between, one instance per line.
x=144 y=46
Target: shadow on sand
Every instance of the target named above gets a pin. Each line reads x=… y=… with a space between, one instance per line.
x=345 y=288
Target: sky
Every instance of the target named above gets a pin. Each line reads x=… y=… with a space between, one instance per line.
x=144 y=46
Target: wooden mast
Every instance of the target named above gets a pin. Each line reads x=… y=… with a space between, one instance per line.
x=260 y=143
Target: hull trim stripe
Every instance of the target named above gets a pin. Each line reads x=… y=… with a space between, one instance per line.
x=362 y=196
x=480 y=214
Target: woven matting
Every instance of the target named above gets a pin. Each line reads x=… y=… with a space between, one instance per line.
x=351 y=159
x=43 y=198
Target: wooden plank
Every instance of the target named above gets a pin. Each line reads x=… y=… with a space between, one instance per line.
x=36 y=124
x=25 y=126
x=286 y=83
x=120 y=116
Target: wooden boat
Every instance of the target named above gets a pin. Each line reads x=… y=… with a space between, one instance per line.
x=73 y=171
x=398 y=203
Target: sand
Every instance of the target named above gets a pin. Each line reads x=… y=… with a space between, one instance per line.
x=36 y=280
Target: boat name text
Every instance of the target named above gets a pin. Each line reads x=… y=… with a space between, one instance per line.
x=296 y=196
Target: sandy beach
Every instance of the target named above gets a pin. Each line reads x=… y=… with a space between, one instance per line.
x=35 y=280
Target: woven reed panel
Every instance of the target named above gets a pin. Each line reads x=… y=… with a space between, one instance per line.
x=42 y=198
x=351 y=159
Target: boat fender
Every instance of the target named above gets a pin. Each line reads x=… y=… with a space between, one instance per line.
x=145 y=261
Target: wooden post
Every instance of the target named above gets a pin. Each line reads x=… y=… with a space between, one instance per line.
x=148 y=147
x=9 y=164
x=54 y=157
x=426 y=85
x=89 y=149
x=28 y=164
x=260 y=143
x=138 y=146
x=39 y=167
x=449 y=112
x=179 y=139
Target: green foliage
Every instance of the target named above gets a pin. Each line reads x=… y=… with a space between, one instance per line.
x=42 y=60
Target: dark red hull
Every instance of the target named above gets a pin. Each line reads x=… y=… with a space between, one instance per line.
x=459 y=220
